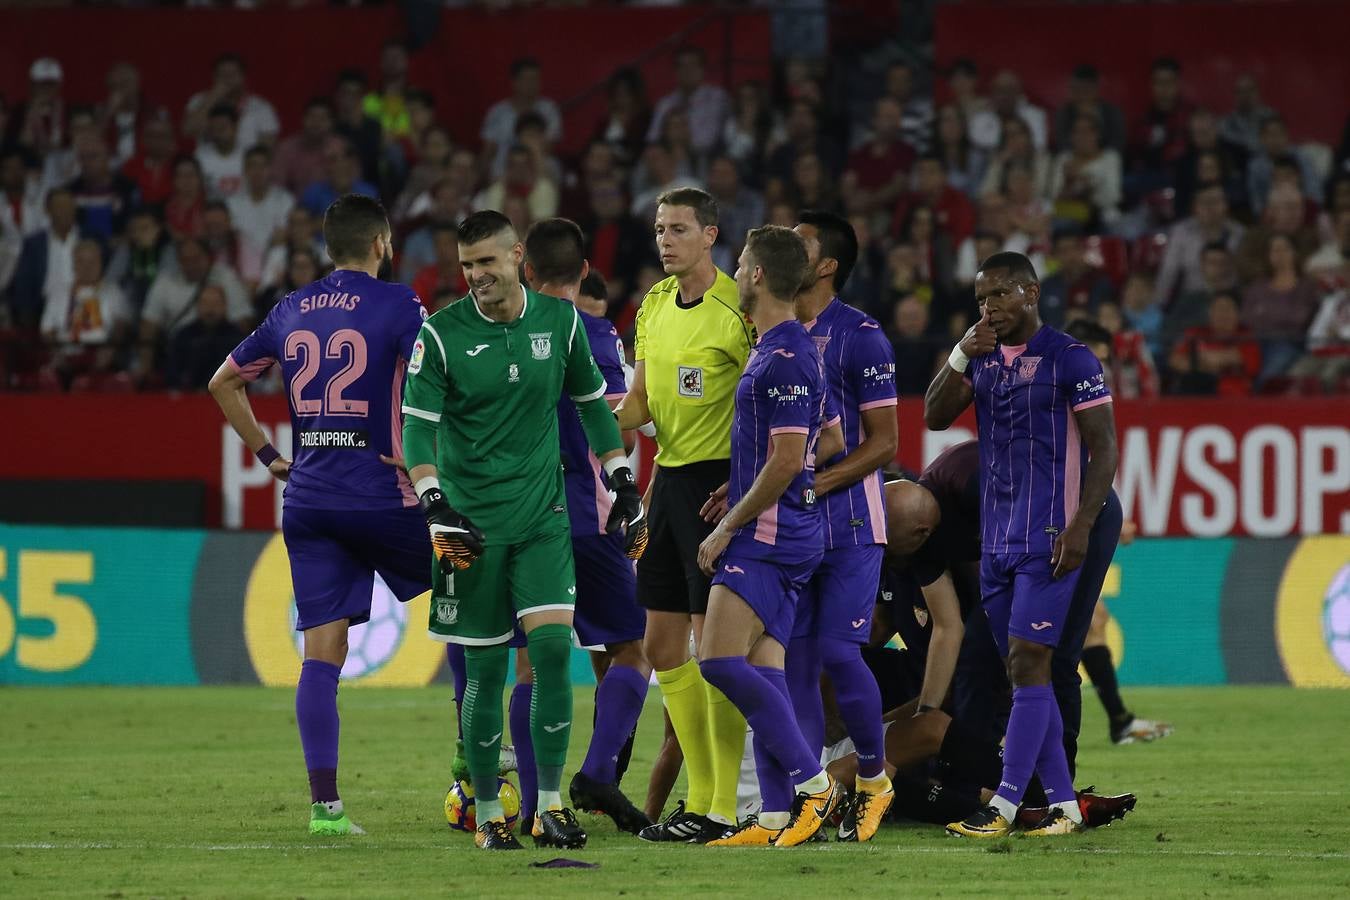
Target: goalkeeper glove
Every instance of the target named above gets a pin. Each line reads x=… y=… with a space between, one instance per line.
x=627 y=512
x=456 y=541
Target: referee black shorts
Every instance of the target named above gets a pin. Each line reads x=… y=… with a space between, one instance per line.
x=668 y=576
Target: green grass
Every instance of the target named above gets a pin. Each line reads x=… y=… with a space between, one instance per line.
x=201 y=792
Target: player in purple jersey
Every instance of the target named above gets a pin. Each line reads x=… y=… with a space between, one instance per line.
x=607 y=613
x=763 y=551
x=343 y=344
x=834 y=612
x=1047 y=458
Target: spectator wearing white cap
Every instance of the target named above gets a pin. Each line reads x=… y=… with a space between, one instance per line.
x=39 y=123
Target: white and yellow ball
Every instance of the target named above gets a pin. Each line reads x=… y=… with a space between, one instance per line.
x=459 y=805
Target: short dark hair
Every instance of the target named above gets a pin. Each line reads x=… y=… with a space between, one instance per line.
x=530 y=119
x=556 y=249
x=838 y=241
x=1166 y=64
x=258 y=150
x=319 y=103
x=1017 y=264
x=692 y=50
x=781 y=253
x=1215 y=247
x=1085 y=72
x=354 y=75
x=482 y=225
x=217 y=205
x=963 y=65
x=229 y=57
x=223 y=110
x=523 y=64
x=1088 y=332
x=593 y=285
x=701 y=202
x=350 y=223
x=1286 y=161
x=418 y=95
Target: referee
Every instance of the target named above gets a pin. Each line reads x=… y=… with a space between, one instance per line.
x=692 y=346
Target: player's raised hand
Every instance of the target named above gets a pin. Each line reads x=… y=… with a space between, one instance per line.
x=280 y=468
x=1070 y=549
x=980 y=338
x=715 y=507
x=456 y=541
x=627 y=512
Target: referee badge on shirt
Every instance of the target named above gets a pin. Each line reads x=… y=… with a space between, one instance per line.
x=691 y=381
x=541 y=345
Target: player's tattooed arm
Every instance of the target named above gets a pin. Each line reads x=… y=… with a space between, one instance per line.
x=950 y=393
x=787 y=456
x=230 y=392
x=1097 y=425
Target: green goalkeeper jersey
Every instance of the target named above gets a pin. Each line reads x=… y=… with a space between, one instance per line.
x=492 y=390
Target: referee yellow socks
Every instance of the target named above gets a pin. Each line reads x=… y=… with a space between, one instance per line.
x=727 y=737
x=686 y=697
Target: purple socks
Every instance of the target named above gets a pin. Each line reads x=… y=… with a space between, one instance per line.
x=775 y=787
x=859 y=699
x=1033 y=712
x=766 y=710
x=520 y=737
x=618 y=703
x=803 y=683
x=316 y=713
x=1052 y=763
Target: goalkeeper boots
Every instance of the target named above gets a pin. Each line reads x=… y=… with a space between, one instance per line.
x=558 y=828
x=496 y=835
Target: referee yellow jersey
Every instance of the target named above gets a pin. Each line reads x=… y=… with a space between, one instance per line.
x=695 y=353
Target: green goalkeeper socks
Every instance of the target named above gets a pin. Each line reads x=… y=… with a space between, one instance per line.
x=485 y=670
x=550 y=649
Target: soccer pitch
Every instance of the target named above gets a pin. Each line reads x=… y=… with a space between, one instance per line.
x=201 y=792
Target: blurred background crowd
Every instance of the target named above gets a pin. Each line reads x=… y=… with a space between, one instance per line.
x=1210 y=245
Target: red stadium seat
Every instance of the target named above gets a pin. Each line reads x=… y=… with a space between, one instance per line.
x=1110 y=254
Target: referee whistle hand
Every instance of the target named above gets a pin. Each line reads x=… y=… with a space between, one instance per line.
x=980 y=338
x=715 y=507
x=1070 y=549
x=627 y=514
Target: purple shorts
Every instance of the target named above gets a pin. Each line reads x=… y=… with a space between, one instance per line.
x=770 y=588
x=838 y=600
x=1022 y=600
x=335 y=554
x=607 y=610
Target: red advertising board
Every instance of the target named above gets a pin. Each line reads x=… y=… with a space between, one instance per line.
x=1199 y=467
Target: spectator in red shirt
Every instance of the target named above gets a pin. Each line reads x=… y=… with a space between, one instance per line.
x=1221 y=357
x=953 y=213
x=1159 y=136
x=619 y=243
x=445 y=271
x=1133 y=374
x=299 y=156
x=187 y=200
x=152 y=166
x=878 y=170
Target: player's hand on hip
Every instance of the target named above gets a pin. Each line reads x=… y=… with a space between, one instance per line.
x=396 y=461
x=1071 y=546
x=456 y=541
x=627 y=513
x=715 y=507
x=280 y=468
x=712 y=548
x=979 y=338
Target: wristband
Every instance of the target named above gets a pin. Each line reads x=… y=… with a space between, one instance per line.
x=615 y=464
x=922 y=708
x=429 y=483
x=267 y=454
x=958 y=360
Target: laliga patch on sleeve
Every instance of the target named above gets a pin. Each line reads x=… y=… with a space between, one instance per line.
x=415 y=364
x=691 y=381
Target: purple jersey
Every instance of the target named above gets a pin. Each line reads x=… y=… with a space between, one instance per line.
x=588 y=499
x=781 y=392
x=860 y=372
x=343 y=343
x=1031 y=456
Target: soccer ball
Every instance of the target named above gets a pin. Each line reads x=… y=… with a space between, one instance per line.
x=1336 y=619
x=459 y=805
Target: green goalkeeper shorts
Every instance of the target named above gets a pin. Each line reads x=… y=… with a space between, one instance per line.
x=479 y=605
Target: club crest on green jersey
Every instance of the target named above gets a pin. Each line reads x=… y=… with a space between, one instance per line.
x=513 y=373
x=541 y=345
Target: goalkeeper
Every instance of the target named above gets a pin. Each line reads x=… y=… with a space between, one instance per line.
x=481 y=441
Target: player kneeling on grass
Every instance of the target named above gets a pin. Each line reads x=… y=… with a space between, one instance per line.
x=764 y=550
x=481 y=438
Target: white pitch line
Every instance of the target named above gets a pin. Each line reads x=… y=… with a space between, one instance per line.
x=359 y=844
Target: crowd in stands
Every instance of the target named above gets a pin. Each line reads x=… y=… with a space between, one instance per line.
x=138 y=244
